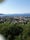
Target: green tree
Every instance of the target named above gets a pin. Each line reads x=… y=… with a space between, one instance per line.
x=1 y=1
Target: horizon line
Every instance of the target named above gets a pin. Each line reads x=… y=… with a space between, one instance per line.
x=14 y=13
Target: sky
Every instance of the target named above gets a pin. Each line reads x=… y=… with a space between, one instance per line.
x=15 y=6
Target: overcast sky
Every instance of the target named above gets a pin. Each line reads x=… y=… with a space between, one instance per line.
x=15 y=6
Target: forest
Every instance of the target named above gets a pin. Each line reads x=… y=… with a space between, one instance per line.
x=17 y=31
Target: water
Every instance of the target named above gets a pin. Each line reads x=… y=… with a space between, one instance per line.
x=2 y=37
x=16 y=14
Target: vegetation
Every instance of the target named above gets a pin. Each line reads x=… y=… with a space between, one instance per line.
x=25 y=35
x=1 y=1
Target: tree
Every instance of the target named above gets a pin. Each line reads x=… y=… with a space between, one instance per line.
x=12 y=32
x=1 y=1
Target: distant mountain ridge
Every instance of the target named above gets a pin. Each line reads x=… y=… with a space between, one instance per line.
x=15 y=14
x=18 y=14
x=1 y=14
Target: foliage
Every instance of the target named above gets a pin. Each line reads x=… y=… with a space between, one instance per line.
x=26 y=29
x=1 y=1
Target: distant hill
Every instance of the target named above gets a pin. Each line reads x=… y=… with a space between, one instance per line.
x=15 y=14
x=1 y=14
x=18 y=14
